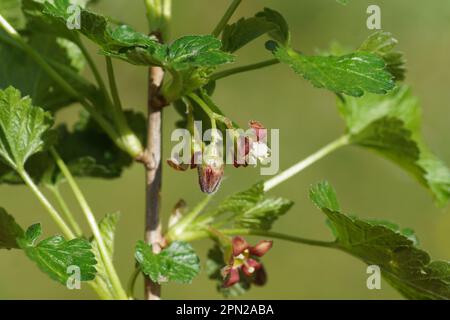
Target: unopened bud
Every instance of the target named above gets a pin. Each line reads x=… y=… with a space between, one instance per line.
x=210 y=172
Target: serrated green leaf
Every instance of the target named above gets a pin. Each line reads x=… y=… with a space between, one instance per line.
x=390 y=125
x=178 y=262
x=214 y=265
x=407 y=268
x=24 y=128
x=116 y=40
x=281 y=33
x=383 y=44
x=189 y=59
x=9 y=231
x=245 y=30
x=240 y=33
x=107 y=228
x=251 y=209
x=352 y=74
x=86 y=150
x=55 y=255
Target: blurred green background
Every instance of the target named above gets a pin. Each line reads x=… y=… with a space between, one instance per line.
x=367 y=185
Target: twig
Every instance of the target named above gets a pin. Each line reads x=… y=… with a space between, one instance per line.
x=152 y=161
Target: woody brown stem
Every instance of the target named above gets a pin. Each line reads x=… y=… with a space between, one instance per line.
x=152 y=162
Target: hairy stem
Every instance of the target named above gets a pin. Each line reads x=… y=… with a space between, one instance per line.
x=47 y=205
x=300 y=166
x=65 y=210
x=110 y=270
x=226 y=17
x=250 y=67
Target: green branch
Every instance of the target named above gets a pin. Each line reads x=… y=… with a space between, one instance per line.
x=47 y=205
x=110 y=270
x=237 y=70
x=300 y=166
x=226 y=17
x=65 y=209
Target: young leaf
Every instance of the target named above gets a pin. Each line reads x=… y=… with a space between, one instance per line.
x=407 y=268
x=10 y=231
x=383 y=44
x=352 y=74
x=214 y=265
x=55 y=255
x=240 y=33
x=251 y=209
x=245 y=30
x=281 y=33
x=107 y=228
x=24 y=128
x=390 y=125
x=178 y=262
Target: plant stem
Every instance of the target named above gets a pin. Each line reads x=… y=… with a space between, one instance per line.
x=112 y=83
x=115 y=281
x=132 y=281
x=47 y=205
x=277 y=235
x=131 y=148
x=201 y=234
x=250 y=67
x=153 y=234
x=300 y=166
x=226 y=17
x=65 y=210
x=92 y=65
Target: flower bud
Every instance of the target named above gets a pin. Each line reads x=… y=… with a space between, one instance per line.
x=210 y=172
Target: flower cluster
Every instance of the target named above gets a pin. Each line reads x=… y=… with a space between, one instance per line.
x=245 y=258
x=209 y=160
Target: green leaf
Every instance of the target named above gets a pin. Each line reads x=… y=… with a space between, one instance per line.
x=390 y=125
x=383 y=44
x=214 y=265
x=107 y=228
x=251 y=209
x=86 y=150
x=189 y=59
x=281 y=33
x=9 y=231
x=19 y=70
x=10 y=10
x=245 y=30
x=24 y=128
x=55 y=255
x=116 y=39
x=352 y=74
x=178 y=262
x=407 y=268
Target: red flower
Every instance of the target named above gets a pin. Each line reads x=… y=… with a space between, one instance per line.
x=245 y=258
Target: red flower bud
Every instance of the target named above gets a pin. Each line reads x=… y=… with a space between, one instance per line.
x=210 y=172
